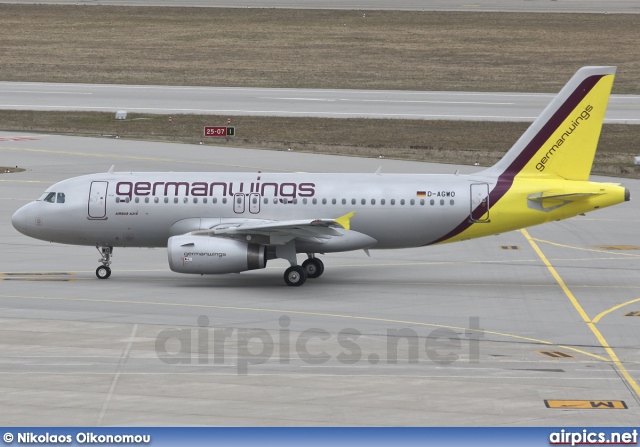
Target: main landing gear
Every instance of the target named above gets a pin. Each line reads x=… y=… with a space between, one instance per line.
x=313 y=266
x=104 y=271
x=297 y=275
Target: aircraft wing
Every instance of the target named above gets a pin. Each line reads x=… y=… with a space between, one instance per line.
x=282 y=231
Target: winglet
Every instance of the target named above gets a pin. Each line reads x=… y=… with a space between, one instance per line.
x=345 y=221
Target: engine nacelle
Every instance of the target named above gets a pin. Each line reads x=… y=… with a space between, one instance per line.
x=212 y=255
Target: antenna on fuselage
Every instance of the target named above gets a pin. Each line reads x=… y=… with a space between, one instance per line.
x=379 y=171
x=110 y=171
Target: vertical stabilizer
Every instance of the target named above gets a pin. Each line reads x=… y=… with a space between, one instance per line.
x=562 y=141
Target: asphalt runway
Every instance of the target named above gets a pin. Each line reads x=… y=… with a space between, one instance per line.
x=582 y=6
x=445 y=335
x=475 y=106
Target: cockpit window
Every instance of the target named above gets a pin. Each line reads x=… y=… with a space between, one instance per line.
x=52 y=197
x=48 y=197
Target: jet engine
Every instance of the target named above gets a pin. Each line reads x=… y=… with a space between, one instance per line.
x=213 y=255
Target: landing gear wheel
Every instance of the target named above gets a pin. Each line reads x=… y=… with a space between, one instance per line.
x=314 y=267
x=103 y=272
x=295 y=276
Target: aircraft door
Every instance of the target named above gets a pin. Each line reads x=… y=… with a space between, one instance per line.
x=98 y=200
x=479 y=211
x=254 y=203
x=238 y=203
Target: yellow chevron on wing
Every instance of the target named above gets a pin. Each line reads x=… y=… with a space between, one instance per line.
x=345 y=221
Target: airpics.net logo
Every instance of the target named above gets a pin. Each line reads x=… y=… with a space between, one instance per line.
x=583 y=116
x=592 y=437
x=247 y=348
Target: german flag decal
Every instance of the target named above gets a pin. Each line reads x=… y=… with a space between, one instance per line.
x=421 y=193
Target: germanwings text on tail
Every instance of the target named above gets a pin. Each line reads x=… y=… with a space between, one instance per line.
x=224 y=222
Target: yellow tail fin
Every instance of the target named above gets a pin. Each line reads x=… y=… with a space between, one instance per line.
x=562 y=141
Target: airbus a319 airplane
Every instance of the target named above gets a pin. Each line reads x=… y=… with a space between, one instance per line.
x=232 y=222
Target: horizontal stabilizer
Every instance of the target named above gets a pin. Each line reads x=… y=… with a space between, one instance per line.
x=540 y=196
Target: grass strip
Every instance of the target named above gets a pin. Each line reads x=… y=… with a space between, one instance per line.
x=250 y=47
x=455 y=142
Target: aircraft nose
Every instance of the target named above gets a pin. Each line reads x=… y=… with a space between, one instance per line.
x=19 y=220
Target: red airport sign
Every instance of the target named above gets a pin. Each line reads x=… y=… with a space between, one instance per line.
x=219 y=131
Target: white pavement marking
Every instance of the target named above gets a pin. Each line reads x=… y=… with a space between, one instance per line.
x=114 y=382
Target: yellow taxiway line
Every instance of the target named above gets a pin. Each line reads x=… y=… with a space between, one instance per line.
x=588 y=321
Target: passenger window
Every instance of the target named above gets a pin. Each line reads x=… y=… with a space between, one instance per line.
x=267 y=200
x=382 y=201
x=137 y=199
x=432 y=202
x=224 y=200
x=117 y=200
x=204 y=200
x=314 y=201
x=413 y=202
x=146 y=200
x=451 y=202
x=421 y=201
x=353 y=201
x=402 y=202
x=363 y=201
x=214 y=200
x=333 y=201
x=441 y=201
x=156 y=200
x=393 y=201
x=373 y=201
x=195 y=200
x=344 y=201
x=175 y=200
x=324 y=201
x=60 y=197
x=166 y=200
x=304 y=201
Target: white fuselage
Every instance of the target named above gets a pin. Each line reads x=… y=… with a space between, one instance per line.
x=145 y=209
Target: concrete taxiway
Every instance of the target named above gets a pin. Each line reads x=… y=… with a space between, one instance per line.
x=475 y=333
x=330 y=103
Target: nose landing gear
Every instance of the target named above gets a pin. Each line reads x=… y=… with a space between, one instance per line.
x=104 y=271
